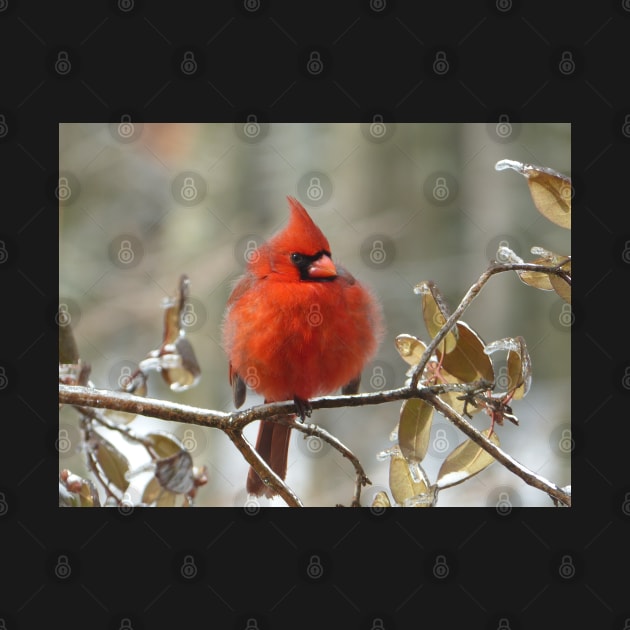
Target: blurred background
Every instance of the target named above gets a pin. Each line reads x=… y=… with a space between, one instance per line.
x=141 y=204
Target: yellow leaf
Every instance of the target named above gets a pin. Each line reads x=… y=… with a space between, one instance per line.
x=466 y=460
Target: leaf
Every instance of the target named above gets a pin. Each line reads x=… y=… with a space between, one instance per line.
x=414 y=428
x=465 y=461
x=561 y=286
x=175 y=473
x=435 y=312
x=551 y=191
x=401 y=483
x=155 y=493
x=165 y=444
x=467 y=361
x=519 y=369
x=540 y=280
x=114 y=464
x=410 y=348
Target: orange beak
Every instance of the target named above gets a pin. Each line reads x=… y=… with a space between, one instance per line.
x=323 y=267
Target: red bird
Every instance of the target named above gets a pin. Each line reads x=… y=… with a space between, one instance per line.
x=296 y=326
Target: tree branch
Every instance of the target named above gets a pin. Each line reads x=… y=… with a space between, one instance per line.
x=500 y=455
x=471 y=294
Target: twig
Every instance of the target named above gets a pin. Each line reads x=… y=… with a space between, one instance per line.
x=500 y=455
x=262 y=468
x=314 y=430
x=471 y=294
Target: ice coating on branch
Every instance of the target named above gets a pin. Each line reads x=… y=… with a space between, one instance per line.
x=506 y=255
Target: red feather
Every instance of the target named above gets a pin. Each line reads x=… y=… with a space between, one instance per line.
x=296 y=326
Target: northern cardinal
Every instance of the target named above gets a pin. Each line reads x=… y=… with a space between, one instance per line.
x=296 y=326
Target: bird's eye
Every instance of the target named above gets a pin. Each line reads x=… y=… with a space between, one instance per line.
x=297 y=259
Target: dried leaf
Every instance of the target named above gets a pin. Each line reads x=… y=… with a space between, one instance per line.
x=113 y=463
x=550 y=190
x=468 y=362
x=165 y=444
x=519 y=369
x=414 y=428
x=155 y=493
x=435 y=312
x=410 y=348
x=401 y=482
x=465 y=461
x=175 y=473
x=561 y=286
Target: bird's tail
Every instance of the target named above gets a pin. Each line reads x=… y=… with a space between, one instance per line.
x=272 y=445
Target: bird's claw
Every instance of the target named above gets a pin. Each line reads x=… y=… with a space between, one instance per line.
x=303 y=408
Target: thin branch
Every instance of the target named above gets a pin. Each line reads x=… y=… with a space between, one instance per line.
x=500 y=455
x=471 y=294
x=314 y=430
x=262 y=469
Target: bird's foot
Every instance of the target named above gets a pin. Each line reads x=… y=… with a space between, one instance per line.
x=303 y=407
